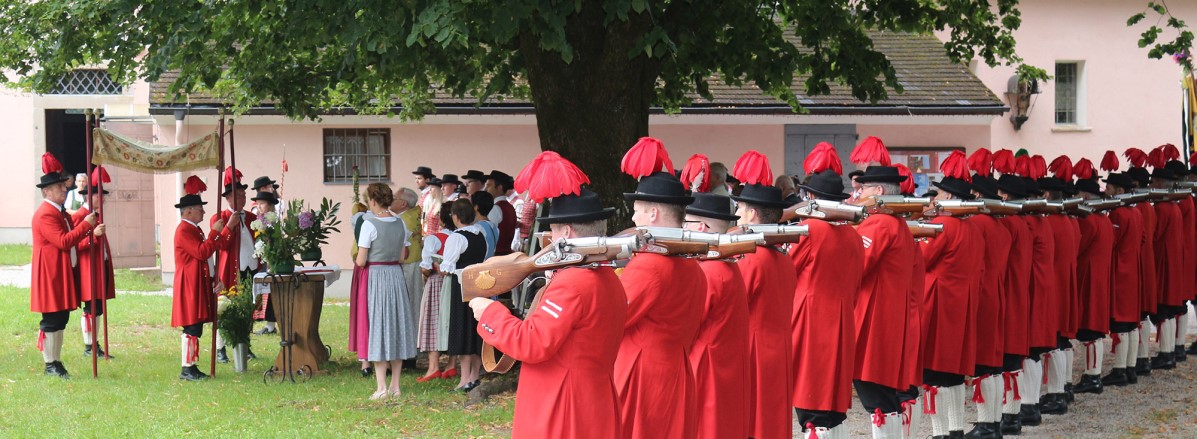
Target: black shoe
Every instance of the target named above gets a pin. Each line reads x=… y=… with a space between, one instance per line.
x=1179 y=354
x=1090 y=384
x=985 y=430
x=1164 y=361
x=1053 y=404
x=1132 y=377
x=1192 y=350
x=250 y=354
x=221 y=356
x=471 y=386
x=55 y=368
x=99 y=352
x=956 y=434
x=1068 y=394
x=192 y=373
x=367 y=372
x=1029 y=415
x=266 y=330
x=1011 y=424
x=1142 y=367
x=1117 y=377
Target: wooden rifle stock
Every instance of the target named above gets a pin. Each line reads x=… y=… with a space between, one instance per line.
x=956 y=208
x=677 y=242
x=1102 y=204
x=824 y=210
x=924 y=230
x=998 y=207
x=728 y=249
x=500 y=274
x=896 y=204
x=774 y=234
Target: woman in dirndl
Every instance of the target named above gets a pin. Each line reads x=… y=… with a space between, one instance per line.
x=466 y=246
x=391 y=335
x=433 y=336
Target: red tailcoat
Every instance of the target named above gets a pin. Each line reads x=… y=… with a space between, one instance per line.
x=881 y=307
x=991 y=325
x=231 y=248
x=952 y=289
x=1093 y=272
x=1065 y=237
x=1149 y=294
x=1169 y=255
x=719 y=356
x=1125 y=286
x=1017 y=309
x=653 y=377
x=506 y=228
x=828 y=263
x=770 y=281
x=104 y=278
x=193 y=300
x=568 y=347
x=52 y=287
x=1188 y=220
x=1044 y=294
x=911 y=371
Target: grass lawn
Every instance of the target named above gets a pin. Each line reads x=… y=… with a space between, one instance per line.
x=129 y=280
x=139 y=395
x=15 y=254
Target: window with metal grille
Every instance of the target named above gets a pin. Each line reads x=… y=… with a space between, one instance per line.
x=1066 y=93
x=369 y=149
x=87 y=82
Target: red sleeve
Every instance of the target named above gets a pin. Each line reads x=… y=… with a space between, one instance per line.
x=197 y=249
x=224 y=244
x=54 y=231
x=933 y=248
x=541 y=335
x=641 y=284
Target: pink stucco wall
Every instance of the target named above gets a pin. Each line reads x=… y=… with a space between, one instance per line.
x=1129 y=100
x=21 y=153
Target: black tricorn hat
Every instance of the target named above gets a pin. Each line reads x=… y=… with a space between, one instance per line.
x=228 y=188
x=1178 y=168
x=190 y=200
x=827 y=185
x=87 y=190
x=53 y=178
x=582 y=208
x=708 y=205
x=474 y=174
x=425 y=171
x=1050 y=184
x=450 y=178
x=498 y=175
x=986 y=186
x=1088 y=185
x=957 y=187
x=763 y=195
x=881 y=174
x=660 y=187
x=263 y=181
x=1162 y=174
x=1139 y=174
x=1032 y=186
x=1120 y=179
x=1013 y=185
x=266 y=196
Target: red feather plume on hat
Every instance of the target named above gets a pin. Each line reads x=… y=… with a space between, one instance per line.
x=548 y=176
x=822 y=158
x=101 y=175
x=1062 y=168
x=981 y=161
x=1136 y=157
x=906 y=186
x=871 y=150
x=1083 y=169
x=753 y=168
x=955 y=166
x=1109 y=161
x=1022 y=165
x=1038 y=167
x=228 y=175
x=194 y=186
x=50 y=164
x=696 y=175
x=1170 y=152
x=646 y=157
x=1003 y=161
x=1193 y=159
x=1156 y=158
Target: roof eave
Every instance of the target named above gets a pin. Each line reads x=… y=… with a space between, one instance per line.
x=772 y=109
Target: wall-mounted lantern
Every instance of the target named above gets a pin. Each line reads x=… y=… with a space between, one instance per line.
x=1020 y=95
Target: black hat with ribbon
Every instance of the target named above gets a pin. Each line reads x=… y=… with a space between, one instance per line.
x=1120 y=179
x=192 y=187
x=99 y=175
x=956 y=177
x=708 y=205
x=269 y=197
x=264 y=181
x=1013 y=185
x=955 y=186
x=474 y=174
x=52 y=172
x=581 y=208
x=826 y=185
x=450 y=178
x=425 y=171
x=987 y=186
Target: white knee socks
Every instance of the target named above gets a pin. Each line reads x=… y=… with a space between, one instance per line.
x=1093 y=353
x=956 y=408
x=52 y=346
x=1012 y=392
x=913 y=419
x=1167 y=335
x=1144 y=339
x=941 y=399
x=989 y=404
x=1066 y=368
x=1132 y=347
x=1182 y=330
x=1120 y=341
x=189 y=350
x=85 y=323
x=1031 y=381
x=890 y=428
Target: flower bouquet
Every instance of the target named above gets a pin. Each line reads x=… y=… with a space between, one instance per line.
x=236 y=306
x=315 y=226
x=276 y=241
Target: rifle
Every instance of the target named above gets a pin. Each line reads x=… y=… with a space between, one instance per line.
x=956 y=208
x=502 y=273
x=734 y=245
x=1102 y=204
x=896 y=204
x=1034 y=206
x=774 y=234
x=1177 y=194
x=924 y=230
x=677 y=242
x=999 y=207
x=824 y=210
x=1130 y=198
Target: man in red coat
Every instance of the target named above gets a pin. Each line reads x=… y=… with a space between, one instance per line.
x=53 y=290
x=1188 y=219
x=881 y=307
x=1045 y=299
x=1125 y=285
x=770 y=281
x=498 y=183
x=829 y=263
x=991 y=320
x=568 y=344
x=1016 y=309
x=1148 y=278
x=1170 y=265
x=102 y=281
x=720 y=356
x=653 y=377
x=1057 y=363
x=236 y=259
x=1093 y=284
x=194 y=300
x=949 y=309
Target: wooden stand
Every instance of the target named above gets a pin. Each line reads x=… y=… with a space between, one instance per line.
x=297 y=301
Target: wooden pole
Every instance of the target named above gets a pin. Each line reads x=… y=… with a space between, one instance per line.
x=104 y=279
x=91 y=246
x=219 y=181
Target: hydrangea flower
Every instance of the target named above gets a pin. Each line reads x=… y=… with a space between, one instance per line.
x=306 y=219
x=270 y=218
x=256 y=225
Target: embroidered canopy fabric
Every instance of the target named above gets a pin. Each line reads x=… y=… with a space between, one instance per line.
x=117 y=150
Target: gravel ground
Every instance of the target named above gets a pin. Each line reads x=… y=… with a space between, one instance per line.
x=1159 y=406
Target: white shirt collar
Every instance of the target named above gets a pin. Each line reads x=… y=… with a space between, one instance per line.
x=189 y=222
x=500 y=198
x=56 y=205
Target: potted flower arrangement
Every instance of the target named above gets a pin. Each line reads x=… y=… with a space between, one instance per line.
x=314 y=227
x=235 y=307
x=276 y=242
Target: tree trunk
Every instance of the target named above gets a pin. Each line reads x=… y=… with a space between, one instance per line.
x=594 y=108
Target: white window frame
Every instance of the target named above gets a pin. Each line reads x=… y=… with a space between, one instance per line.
x=1081 y=121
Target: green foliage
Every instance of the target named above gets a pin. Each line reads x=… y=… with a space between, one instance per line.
x=1180 y=47
x=236 y=308
x=314 y=56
